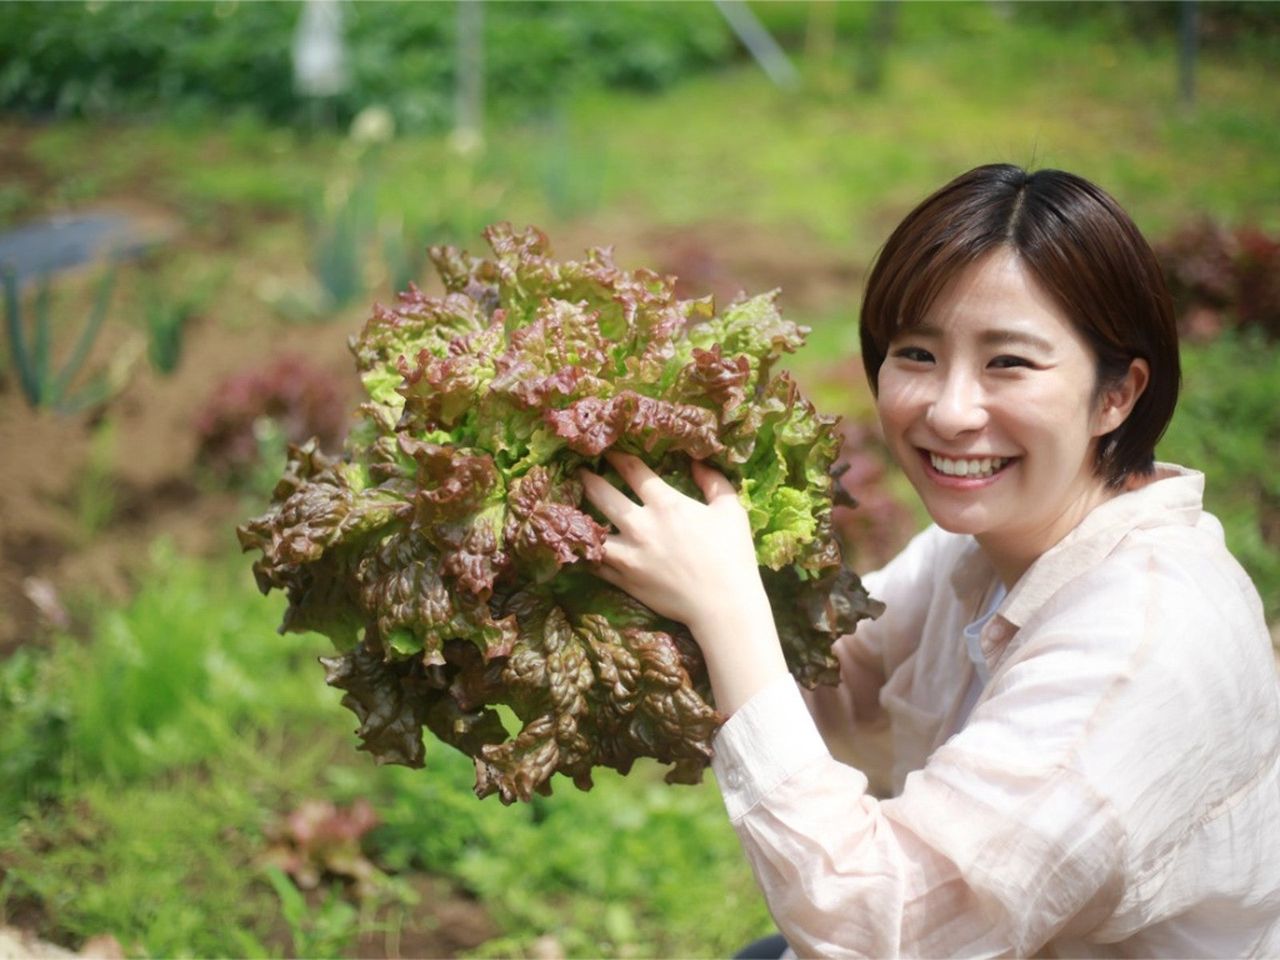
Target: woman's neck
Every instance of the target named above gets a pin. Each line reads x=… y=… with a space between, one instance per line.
x=1012 y=554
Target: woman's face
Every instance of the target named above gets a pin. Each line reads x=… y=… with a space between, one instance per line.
x=987 y=405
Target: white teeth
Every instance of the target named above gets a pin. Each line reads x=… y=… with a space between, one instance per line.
x=967 y=468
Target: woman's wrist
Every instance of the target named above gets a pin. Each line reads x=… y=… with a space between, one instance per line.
x=742 y=651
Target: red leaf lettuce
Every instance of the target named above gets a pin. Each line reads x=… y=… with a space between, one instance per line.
x=442 y=552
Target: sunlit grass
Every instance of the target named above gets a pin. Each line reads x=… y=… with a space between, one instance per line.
x=145 y=763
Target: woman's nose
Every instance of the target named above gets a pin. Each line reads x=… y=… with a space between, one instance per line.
x=957 y=407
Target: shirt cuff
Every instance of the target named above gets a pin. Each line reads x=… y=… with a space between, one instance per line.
x=766 y=741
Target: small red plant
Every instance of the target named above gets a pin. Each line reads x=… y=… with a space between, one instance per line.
x=1220 y=277
x=319 y=839
x=288 y=398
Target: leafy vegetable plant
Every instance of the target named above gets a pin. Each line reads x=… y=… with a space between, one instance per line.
x=445 y=553
x=287 y=396
x=1220 y=276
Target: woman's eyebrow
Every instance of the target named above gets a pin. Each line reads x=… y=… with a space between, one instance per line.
x=1004 y=337
x=993 y=337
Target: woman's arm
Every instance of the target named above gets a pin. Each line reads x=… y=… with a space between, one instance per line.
x=987 y=851
x=849 y=715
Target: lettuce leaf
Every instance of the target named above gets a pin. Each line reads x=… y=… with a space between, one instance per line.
x=444 y=553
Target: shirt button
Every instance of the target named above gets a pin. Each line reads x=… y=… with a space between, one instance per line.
x=733 y=778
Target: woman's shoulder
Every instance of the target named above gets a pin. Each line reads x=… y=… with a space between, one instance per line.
x=1151 y=555
x=1184 y=572
x=1180 y=581
x=1165 y=610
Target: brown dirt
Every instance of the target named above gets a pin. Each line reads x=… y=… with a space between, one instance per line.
x=53 y=477
x=726 y=258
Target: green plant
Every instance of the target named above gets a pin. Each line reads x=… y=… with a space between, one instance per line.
x=326 y=932
x=33 y=737
x=164 y=866
x=94 y=492
x=208 y=59
x=167 y=318
x=442 y=556
x=659 y=859
x=150 y=753
x=42 y=386
x=404 y=250
x=169 y=679
x=1228 y=424
x=15 y=200
x=342 y=227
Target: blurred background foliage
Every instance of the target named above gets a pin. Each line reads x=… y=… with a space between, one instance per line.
x=159 y=742
x=193 y=60
x=203 y=59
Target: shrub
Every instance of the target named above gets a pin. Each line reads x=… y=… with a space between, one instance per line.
x=85 y=59
x=1222 y=277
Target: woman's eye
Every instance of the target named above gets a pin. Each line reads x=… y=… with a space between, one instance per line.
x=916 y=354
x=1006 y=361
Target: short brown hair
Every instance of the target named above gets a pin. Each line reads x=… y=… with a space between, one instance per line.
x=1080 y=246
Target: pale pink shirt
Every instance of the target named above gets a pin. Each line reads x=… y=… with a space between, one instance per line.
x=1115 y=791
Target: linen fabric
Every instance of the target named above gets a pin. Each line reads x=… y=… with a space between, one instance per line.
x=1115 y=791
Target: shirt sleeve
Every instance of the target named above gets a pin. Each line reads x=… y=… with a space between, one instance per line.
x=976 y=857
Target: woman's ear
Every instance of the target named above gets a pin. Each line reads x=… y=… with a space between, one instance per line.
x=1117 y=400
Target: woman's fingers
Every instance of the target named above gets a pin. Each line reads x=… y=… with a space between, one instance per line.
x=608 y=499
x=607 y=574
x=712 y=482
x=638 y=476
x=615 y=566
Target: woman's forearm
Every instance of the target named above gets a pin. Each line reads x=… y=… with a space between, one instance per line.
x=741 y=647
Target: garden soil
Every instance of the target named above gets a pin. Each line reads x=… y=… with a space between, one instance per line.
x=82 y=495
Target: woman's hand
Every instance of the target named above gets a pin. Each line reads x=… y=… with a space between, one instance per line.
x=694 y=563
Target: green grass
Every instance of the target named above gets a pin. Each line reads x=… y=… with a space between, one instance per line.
x=1228 y=425
x=165 y=867
x=631 y=868
x=143 y=767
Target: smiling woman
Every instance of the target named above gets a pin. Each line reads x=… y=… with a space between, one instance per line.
x=1076 y=674
x=991 y=407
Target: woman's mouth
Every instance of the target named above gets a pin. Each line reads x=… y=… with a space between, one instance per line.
x=967 y=470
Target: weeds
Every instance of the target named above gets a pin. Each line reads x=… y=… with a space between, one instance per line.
x=160 y=752
x=94 y=492
x=167 y=316
x=322 y=932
